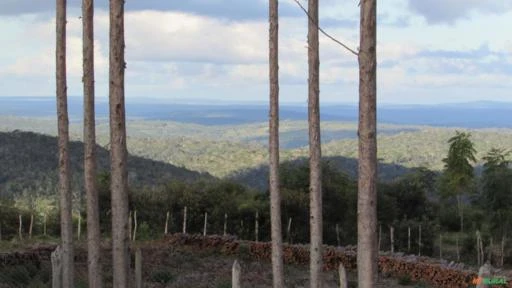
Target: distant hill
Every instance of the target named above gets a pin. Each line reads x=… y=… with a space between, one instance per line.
x=28 y=164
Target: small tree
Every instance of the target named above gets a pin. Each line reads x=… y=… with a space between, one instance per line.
x=458 y=174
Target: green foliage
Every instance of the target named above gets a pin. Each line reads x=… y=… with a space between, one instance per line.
x=161 y=276
x=458 y=173
x=405 y=280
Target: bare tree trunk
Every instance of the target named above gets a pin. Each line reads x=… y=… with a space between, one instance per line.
x=380 y=238
x=225 y=224
x=338 y=241
x=275 y=194
x=419 y=241
x=79 y=227
x=457 y=247
x=408 y=238
x=256 y=227
x=65 y=195
x=93 y=219
x=502 y=252
x=289 y=230
x=315 y=154
x=440 y=246
x=461 y=212
x=185 y=220
x=343 y=276
x=56 y=260
x=134 y=237
x=166 y=229
x=31 y=226
x=392 y=238
x=118 y=152
x=205 y=223
x=367 y=196
x=20 y=227
x=44 y=224
x=491 y=245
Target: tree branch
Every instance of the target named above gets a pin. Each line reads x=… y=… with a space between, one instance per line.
x=323 y=32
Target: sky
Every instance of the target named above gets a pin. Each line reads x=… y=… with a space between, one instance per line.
x=429 y=51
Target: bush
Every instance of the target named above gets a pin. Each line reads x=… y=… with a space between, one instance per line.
x=161 y=276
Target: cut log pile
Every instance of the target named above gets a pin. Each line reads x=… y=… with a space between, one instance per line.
x=417 y=268
x=33 y=255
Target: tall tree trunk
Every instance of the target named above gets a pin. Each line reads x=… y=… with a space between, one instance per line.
x=118 y=152
x=65 y=195
x=275 y=194
x=367 y=195
x=315 y=155
x=93 y=220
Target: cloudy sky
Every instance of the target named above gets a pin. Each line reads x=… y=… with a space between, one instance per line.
x=429 y=51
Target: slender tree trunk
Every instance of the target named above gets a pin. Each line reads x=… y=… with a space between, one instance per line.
x=367 y=195
x=315 y=154
x=134 y=237
x=44 y=224
x=205 y=223
x=257 y=227
x=275 y=194
x=185 y=220
x=419 y=241
x=65 y=195
x=20 y=227
x=225 y=224
x=289 y=231
x=31 y=226
x=79 y=227
x=392 y=238
x=166 y=229
x=118 y=152
x=93 y=219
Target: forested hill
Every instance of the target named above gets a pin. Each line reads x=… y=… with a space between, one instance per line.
x=28 y=164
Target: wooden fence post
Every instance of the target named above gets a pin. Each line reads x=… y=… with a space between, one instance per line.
x=130 y=224
x=20 y=228
x=185 y=220
x=440 y=246
x=256 y=226
x=338 y=234
x=134 y=225
x=343 y=276
x=236 y=275
x=56 y=268
x=419 y=241
x=225 y=224
x=408 y=238
x=205 y=223
x=166 y=229
x=380 y=237
x=289 y=230
x=44 y=224
x=392 y=239
x=79 y=229
x=31 y=226
x=138 y=268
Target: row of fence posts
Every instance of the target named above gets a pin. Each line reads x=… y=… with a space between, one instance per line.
x=392 y=240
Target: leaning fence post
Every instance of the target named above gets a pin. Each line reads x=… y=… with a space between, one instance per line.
x=138 y=268
x=56 y=268
x=343 y=276
x=236 y=275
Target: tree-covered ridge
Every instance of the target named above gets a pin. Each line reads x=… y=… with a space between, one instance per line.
x=227 y=150
x=29 y=164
